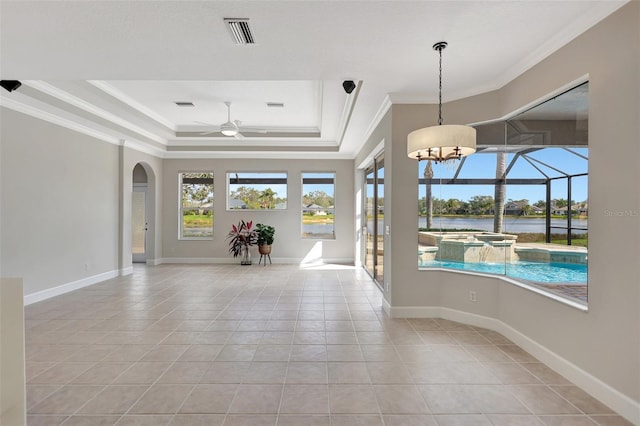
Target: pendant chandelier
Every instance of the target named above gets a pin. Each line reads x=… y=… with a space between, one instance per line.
x=442 y=142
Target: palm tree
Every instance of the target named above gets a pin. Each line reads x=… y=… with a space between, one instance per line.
x=267 y=198
x=428 y=174
x=500 y=192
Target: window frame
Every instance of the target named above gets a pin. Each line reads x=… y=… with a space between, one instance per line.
x=228 y=178
x=317 y=236
x=574 y=253
x=181 y=237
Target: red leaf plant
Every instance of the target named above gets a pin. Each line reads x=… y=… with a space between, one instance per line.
x=241 y=236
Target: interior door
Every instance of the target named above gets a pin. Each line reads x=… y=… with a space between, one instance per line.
x=139 y=224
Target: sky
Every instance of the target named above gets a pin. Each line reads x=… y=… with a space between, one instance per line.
x=484 y=166
x=281 y=189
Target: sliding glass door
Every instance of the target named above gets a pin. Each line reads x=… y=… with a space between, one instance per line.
x=373 y=231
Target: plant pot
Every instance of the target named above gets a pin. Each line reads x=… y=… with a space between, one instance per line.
x=266 y=249
x=246 y=256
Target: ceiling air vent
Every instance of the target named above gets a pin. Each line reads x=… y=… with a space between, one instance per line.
x=240 y=30
x=184 y=104
x=275 y=104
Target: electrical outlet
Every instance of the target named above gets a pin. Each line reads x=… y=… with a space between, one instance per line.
x=473 y=296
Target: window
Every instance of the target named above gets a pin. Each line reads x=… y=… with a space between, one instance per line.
x=518 y=207
x=196 y=205
x=257 y=191
x=318 y=205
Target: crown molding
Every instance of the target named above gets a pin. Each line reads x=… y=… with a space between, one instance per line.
x=76 y=127
x=571 y=31
x=267 y=155
x=132 y=103
x=66 y=97
x=201 y=128
x=347 y=111
x=377 y=118
x=144 y=148
x=63 y=122
x=265 y=142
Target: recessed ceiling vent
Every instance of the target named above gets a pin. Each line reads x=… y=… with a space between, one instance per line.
x=275 y=104
x=184 y=104
x=240 y=30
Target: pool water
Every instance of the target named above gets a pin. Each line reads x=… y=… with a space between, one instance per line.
x=527 y=271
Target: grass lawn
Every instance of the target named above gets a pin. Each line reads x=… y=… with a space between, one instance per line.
x=579 y=242
x=317 y=218
x=576 y=240
x=197 y=221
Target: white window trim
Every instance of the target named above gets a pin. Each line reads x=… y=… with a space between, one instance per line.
x=228 y=190
x=335 y=177
x=180 y=229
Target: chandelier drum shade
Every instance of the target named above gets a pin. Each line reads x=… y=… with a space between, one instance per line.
x=442 y=142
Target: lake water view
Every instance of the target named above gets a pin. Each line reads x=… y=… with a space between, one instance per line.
x=510 y=225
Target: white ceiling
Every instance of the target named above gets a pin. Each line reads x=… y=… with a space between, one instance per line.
x=115 y=68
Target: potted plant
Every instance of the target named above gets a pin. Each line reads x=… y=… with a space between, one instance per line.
x=240 y=238
x=265 y=239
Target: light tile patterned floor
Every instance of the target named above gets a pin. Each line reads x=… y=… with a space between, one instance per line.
x=253 y=345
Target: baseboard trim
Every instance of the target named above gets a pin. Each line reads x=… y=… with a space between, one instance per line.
x=616 y=400
x=386 y=307
x=126 y=271
x=66 y=288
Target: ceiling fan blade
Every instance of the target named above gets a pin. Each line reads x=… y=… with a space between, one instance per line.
x=215 y=128
x=252 y=130
x=238 y=136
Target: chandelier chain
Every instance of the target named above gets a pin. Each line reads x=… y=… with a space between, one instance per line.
x=439 y=143
x=440 y=90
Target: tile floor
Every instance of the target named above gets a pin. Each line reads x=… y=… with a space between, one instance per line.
x=253 y=345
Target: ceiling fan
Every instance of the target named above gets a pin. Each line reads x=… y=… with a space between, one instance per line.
x=232 y=128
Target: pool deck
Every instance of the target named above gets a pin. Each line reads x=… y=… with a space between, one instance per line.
x=552 y=247
x=576 y=292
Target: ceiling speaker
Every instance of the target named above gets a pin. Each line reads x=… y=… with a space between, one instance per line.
x=10 y=85
x=348 y=86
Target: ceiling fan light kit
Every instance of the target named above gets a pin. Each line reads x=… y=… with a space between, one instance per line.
x=228 y=129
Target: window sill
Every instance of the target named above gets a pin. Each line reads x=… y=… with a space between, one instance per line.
x=195 y=239
x=319 y=238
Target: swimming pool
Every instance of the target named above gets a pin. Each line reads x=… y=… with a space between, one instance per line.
x=538 y=272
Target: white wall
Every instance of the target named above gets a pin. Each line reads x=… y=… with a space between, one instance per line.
x=604 y=342
x=59 y=203
x=288 y=246
x=12 y=366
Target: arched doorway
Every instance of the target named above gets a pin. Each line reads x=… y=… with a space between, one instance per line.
x=139 y=215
